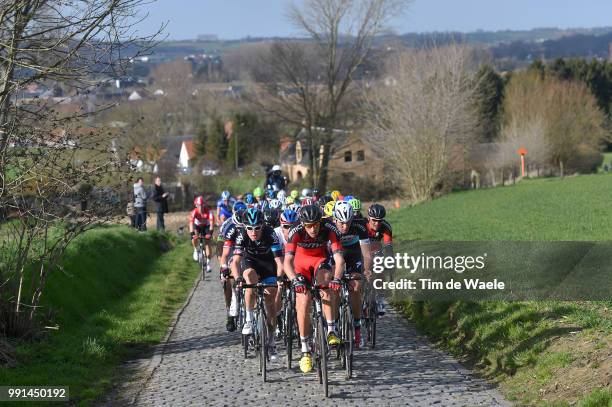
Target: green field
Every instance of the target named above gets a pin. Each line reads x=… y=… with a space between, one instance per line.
x=114 y=297
x=541 y=353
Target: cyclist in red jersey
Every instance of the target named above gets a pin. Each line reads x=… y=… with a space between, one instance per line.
x=306 y=259
x=201 y=222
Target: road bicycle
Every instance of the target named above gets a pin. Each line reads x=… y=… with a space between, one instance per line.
x=260 y=337
x=347 y=329
x=288 y=327
x=320 y=350
x=369 y=315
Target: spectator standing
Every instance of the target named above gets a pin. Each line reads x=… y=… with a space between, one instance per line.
x=160 y=197
x=140 y=205
x=275 y=180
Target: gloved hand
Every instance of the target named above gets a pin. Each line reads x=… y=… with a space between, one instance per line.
x=335 y=284
x=299 y=284
x=224 y=272
x=238 y=282
x=207 y=236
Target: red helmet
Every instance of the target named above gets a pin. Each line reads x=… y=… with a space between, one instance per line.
x=199 y=200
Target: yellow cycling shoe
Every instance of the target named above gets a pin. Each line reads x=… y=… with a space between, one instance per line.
x=306 y=363
x=332 y=339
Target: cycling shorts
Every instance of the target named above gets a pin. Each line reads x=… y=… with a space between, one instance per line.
x=308 y=265
x=265 y=268
x=201 y=230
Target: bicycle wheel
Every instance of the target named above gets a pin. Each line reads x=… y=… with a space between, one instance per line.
x=374 y=316
x=288 y=337
x=263 y=344
x=202 y=262
x=321 y=352
x=348 y=337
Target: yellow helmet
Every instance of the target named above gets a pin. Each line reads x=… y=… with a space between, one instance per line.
x=289 y=200
x=335 y=194
x=329 y=208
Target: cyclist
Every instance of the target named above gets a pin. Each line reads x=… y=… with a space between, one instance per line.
x=271 y=217
x=381 y=238
x=270 y=194
x=295 y=194
x=306 y=259
x=259 y=252
x=335 y=195
x=356 y=248
x=224 y=205
x=201 y=223
x=288 y=219
x=250 y=201
x=356 y=204
x=227 y=234
x=259 y=195
x=329 y=209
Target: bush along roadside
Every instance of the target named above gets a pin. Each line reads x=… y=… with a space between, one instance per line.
x=540 y=353
x=115 y=295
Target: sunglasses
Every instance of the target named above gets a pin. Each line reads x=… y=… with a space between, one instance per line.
x=253 y=228
x=310 y=225
x=287 y=226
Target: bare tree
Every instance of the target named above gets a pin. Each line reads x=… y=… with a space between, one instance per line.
x=51 y=158
x=423 y=115
x=310 y=83
x=555 y=120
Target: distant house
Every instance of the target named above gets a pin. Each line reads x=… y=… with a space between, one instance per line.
x=188 y=153
x=350 y=154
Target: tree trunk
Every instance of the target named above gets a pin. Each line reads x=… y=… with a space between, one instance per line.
x=561 y=168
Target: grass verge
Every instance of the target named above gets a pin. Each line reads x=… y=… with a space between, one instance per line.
x=541 y=353
x=117 y=292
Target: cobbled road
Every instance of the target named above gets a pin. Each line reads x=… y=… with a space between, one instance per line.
x=202 y=364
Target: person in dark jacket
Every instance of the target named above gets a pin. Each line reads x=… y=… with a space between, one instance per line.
x=160 y=197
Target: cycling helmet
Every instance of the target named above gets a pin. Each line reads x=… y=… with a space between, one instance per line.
x=238 y=206
x=289 y=200
x=276 y=168
x=225 y=195
x=310 y=214
x=280 y=195
x=329 y=208
x=324 y=200
x=271 y=217
x=249 y=199
x=315 y=193
x=377 y=211
x=253 y=217
x=294 y=207
x=271 y=194
x=258 y=192
x=295 y=194
x=347 y=198
x=343 y=212
x=289 y=217
x=275 y=204
x=199 y=200
x=335 y=194
x=306 y=201
x=356 y=204
x=306 y=192
x=237 y=215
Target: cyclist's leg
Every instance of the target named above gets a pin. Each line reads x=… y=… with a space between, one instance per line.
x=250 y=277
x=330 y=300
x=303 y=302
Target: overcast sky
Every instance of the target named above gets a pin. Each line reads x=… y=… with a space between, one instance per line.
x=233 y=19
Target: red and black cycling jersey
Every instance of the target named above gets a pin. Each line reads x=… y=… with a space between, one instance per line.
x=266 y=248
x=204 y=218
x=383 y=233
x=299 y=240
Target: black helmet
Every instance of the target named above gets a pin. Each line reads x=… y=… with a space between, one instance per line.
x=271 y=217
x=377 y=211
x=310 y=214
x=323 y=200
x=252 y=217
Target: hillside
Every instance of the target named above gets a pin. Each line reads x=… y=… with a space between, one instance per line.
x=540 y=352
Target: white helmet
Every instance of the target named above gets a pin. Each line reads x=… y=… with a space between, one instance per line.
x=276 y=167
x=306 y=192
x=280 y=195
x=343 y=211
x=275 y=204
